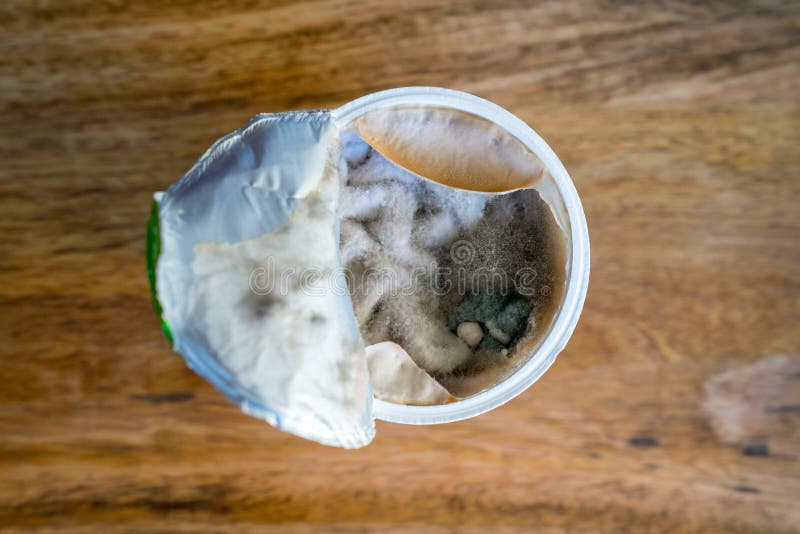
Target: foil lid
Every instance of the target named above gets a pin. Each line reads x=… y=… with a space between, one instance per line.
x=247 y=276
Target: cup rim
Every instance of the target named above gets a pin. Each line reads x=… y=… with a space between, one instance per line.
x=577 y=279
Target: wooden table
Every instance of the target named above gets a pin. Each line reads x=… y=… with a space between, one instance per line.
x=680 y=125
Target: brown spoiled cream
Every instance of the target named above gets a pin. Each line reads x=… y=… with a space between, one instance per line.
x=470 y=152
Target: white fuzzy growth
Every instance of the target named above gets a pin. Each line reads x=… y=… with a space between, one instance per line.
x=393 y=222
x=499 y=335
x=470 y=332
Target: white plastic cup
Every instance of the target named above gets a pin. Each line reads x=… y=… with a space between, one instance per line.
x=569 y=215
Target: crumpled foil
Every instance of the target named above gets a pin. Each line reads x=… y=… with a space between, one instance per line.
x=262 y=201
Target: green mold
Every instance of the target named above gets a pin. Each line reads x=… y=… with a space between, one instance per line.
x=507 y=312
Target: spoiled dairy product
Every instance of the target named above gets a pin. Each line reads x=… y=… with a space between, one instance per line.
x=459 y=279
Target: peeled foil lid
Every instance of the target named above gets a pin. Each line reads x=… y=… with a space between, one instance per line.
x=239 y=235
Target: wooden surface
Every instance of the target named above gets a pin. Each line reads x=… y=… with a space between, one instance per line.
x=680 y=125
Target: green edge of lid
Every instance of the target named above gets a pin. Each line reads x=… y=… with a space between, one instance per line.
x=153 y=251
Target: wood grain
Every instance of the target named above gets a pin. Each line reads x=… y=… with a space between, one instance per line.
x=680 y=124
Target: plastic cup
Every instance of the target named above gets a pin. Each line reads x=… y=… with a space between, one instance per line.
x=567 y=209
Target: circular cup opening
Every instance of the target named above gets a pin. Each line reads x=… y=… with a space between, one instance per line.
x=569 y=215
